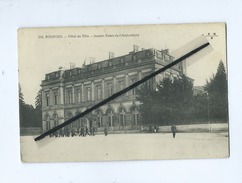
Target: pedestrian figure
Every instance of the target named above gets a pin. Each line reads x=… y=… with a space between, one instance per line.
x=155 y=130
x=105 y=131
x=73 y=132
x=150 y=129
x=82 y=131
x=62 y=133
x=68 y=133
x=141 y=128
x=79 y=131
x=173 y=130
x=65 y=132
x=93 y=130
x=56 y=134
x=86 y=131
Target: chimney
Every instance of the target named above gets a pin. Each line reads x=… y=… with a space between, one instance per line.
x=166 y=51
x=111 y=55
x=135 y=48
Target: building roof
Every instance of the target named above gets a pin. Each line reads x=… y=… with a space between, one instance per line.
x=123 y=62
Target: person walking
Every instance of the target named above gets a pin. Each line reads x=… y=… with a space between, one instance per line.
x=93 y=130
x=106 y=131
x=155 y=130
x=86 y=131
x=82 y=131
x=173 y=130
x=150 y=129
x=90 y=130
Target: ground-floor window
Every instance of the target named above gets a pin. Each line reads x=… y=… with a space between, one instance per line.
x=110 y=114
x=110 y=120
x=99 y=119
x=122 y=119
x=76 y=124
x=47 y=125
x=135 y=115
x=56 y=120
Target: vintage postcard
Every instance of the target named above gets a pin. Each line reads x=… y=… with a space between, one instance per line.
x=180 y=113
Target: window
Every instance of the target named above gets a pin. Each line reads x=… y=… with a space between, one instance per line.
x=47 y=99
x=110 y=117
x=121 y=85
x=56 y=98
x=98 y=92
x=133 y=92
x=122 y=117
x=69 y=116
x=88 y=93
x=99 y=119
x=69 y=96
x=135 y=114
x=55 y=117
x=78 y=95
x=149 y=84
x=47 y=127
x=110 y=89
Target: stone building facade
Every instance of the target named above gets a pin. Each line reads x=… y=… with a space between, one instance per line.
x=66 y=93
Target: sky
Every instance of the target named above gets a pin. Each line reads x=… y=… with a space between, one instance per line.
x=44 y=50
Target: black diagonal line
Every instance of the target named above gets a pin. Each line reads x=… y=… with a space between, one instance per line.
x=120 y=92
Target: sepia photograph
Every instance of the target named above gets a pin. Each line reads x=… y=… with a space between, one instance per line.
x=179 y=113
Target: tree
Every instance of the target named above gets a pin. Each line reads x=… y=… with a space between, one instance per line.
x=200 y=108
x=150 y=107
x=28 y=115
x=170 y=104
x=38 y=108
x=21 y=106
x=21 y=96
x=217 y=90
x=38 y=100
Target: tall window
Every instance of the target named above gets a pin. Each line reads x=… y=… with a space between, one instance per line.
x=98 y=92
x=70 y=126
x=135 y=114
x=122 y=117
x=149 y=84
x=56 y=97
x=69 y=96
x=78 y=95
x=133 y=92
x=47 y=122
x=110 y=117
x=121 y=85
x=88 y=93
x=110 y=89
x=99 y=119
x=47 y=99
x=55 y=117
